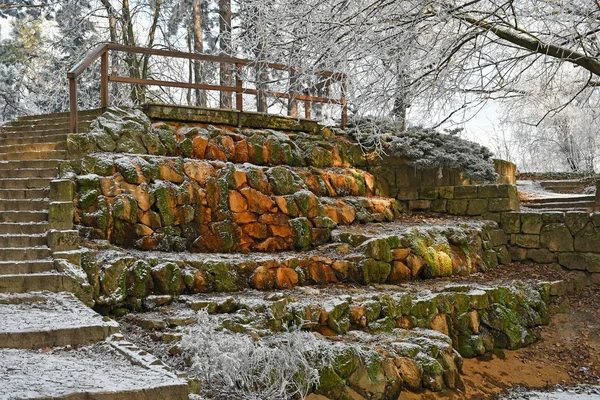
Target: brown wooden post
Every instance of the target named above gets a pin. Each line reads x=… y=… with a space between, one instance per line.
x=104 y=80
x=73 y=103
x=239 y=99
x=344 y=104
x=307 y=109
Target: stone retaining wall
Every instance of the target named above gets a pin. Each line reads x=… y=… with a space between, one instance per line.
x=471 y=200
x=570 y=239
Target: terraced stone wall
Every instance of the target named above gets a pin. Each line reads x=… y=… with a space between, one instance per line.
x=174 y=187
x=570 y=239
x=469 y=200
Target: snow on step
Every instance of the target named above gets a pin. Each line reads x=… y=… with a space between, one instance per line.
x=37 y=320
x=91 y=372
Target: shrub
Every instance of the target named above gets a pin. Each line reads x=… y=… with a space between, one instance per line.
x=234 y=366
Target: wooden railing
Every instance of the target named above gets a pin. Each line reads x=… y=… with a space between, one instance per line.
x=102 y=52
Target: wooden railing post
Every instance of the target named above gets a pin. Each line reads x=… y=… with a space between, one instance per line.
x=239 y=99
x=344 y=104
x=307 y=109
x=73 y=103
x=104 y=80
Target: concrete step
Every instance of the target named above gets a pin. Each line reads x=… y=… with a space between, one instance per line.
x=38 y=320
x=32 y=228
x=24 y=254
x=26 y=267
x=24 y=205
x=23 y=217
x=38 y=147
x=23 y=240
x=549 y=200
x=35 y=155
x=23 y=183
x=29 y=164
x=30 y=173
x=52 y=282
x=49 y=138
x=24 y=193
x=98 y=372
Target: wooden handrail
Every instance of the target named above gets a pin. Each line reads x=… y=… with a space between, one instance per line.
x=102 y=50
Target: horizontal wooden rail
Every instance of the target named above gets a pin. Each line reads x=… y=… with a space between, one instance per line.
x=101 y=52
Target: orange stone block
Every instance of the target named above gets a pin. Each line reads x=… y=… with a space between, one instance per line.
x=263 y=278
x=257 y=202
x=283 y=231
x=286 y=278
x=256 y=230
x=271 y=244
x=199 y=171
x=237 y=202
x=214 y=152
x=245 y=217
x=199 y=145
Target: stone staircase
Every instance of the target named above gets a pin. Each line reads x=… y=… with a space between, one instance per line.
x=36 y=309
x=31 y=150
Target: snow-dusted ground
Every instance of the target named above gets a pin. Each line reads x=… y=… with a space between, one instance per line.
x=533 y=190
x=574 y=393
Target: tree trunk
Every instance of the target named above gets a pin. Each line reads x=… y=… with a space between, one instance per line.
x=201 y=99
x=226 y=69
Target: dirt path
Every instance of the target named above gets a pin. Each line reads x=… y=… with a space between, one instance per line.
x=568 y=353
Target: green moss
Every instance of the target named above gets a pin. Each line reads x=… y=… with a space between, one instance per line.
x=167 y=278
x=86 y=199
x=164 y=195
x=284 y=181
x=257 y=142
x=139 y=279
x=167 y=139
x=302 y=236
x=345 y=362
x=330 y=383
x=186 y=147
x=127 y=169
x=222 y=276
x=373 y=271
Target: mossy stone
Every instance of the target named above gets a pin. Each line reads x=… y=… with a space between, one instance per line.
x=302 y=234
x=126 y=168
x=373 y=271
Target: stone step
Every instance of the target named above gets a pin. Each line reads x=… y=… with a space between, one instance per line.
x=32 y=133
x=30 y=173
x=23 y=240
x=29 y=164
x=52 y=282
x=571 y=205
x=39 y=320
x=23 y=217
x=24 y=254
x=548 y=200
x=32 y=228
x=24 y=193
x=48 y=138
x=35 y=155
x=24 y=205
x=91 y=372
x=62 y=116
x=23 y=183
x=26 y=267
x=37 y=147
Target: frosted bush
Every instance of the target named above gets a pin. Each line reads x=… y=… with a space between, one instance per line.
x=426 y=149
x=235 y=366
